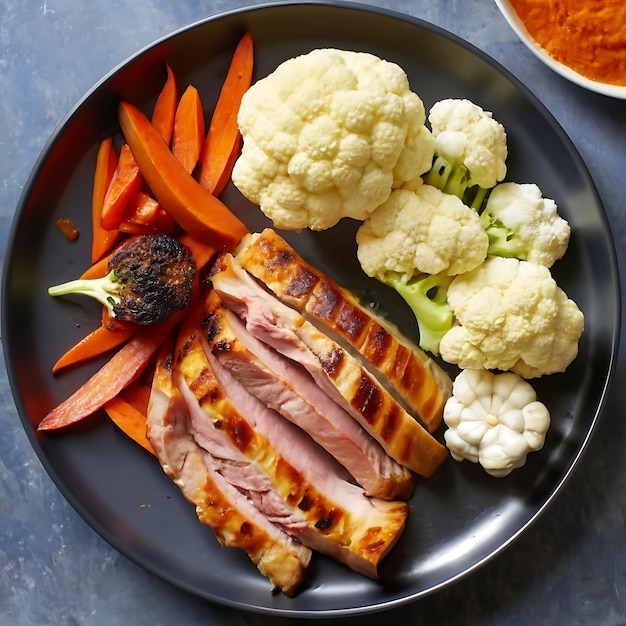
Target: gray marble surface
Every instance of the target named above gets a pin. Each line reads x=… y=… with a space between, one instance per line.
x=568 y=568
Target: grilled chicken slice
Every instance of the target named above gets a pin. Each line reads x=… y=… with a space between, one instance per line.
x=422 y=385
x=339 y=374
x=288 y=476
x=286 y=387
x=234 y=519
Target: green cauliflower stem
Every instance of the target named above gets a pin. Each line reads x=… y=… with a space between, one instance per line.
x=426 y=295
x=105 y=290
x=452 y=177
x=503 y=241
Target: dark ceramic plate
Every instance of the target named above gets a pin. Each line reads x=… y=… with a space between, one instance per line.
x=461 y=517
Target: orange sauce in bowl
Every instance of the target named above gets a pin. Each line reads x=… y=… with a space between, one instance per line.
x=588 y=36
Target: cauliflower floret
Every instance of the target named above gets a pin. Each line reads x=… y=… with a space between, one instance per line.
x=464 y=132
x=422 y=231
x=328 y=135
x=494 y=420
x=527 y=225
x=511 y=315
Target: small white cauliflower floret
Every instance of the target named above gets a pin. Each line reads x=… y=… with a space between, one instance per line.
x=421 y=231
x=511 y=315
x=328 y=135
x=464 y=132
x=533 y=231
x=494 y=420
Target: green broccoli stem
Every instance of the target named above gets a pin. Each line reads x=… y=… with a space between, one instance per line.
x=451 y=176
x=105 y=290
x=427 y=296
x=502 y=240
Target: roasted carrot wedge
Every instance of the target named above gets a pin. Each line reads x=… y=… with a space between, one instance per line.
x=137 y=395
x=228 y=170
x=188 y=135
x=223 y=131
x=106 y=164
x=195 y=210
x=201 y=252
x=96 y=343
x=129 y=420
x=165 y=107
x=124 y=367
x=125 y=184
x=144 y=215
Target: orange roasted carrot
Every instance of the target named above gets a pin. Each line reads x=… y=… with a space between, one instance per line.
x=228 y=170
x=223 y=130
x=195 y=210
x=124 y=367
x=201 y=252
x=188 y=135
x=165 y=107
x=96 y=343
x=130 y=421
x=125 y=184
x=137 y=395
x=106 y=164
x=144 y=215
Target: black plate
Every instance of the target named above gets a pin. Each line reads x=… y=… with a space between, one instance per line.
x=458 y=519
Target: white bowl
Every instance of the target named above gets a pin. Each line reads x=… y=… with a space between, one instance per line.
x=615 y=91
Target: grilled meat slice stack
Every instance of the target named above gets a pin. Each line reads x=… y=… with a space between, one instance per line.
x=284 y=439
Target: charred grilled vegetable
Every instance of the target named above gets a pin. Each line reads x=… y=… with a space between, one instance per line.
x=150 y=278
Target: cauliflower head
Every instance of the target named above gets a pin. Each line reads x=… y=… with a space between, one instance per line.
x=421 y=231
x=511 y=315
x=328 y=135
x=466 y=133
x=495 y=420
x=532 y=219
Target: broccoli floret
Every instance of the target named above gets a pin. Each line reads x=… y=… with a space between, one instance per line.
x=451 y=176
x=426 y=294
x=502 y=240
x=149 y=279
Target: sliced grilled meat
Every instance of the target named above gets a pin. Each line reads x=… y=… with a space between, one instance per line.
x=286 y=387
x=340 y=375
x=234 y=519
x=423 y=386
x=287 y=475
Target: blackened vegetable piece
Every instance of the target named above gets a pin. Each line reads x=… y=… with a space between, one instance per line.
x=150 y=278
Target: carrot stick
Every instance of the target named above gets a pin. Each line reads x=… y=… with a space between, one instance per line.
x=195 y=210
x=165 y=107
x=228 y=169
x=201 y=252
x=125 y=184
x=130 y=421
x=106 y=164
x=137 y=395
x=124 y=367
x=223 y=130
x=144 y=215
x=188 y=135
x=96 y=343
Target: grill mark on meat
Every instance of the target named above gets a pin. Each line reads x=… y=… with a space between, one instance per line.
x=415 y=379
x=290 y=334
x=233 y=519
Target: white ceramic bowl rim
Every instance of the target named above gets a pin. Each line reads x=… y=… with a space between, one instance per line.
x=615 y=91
